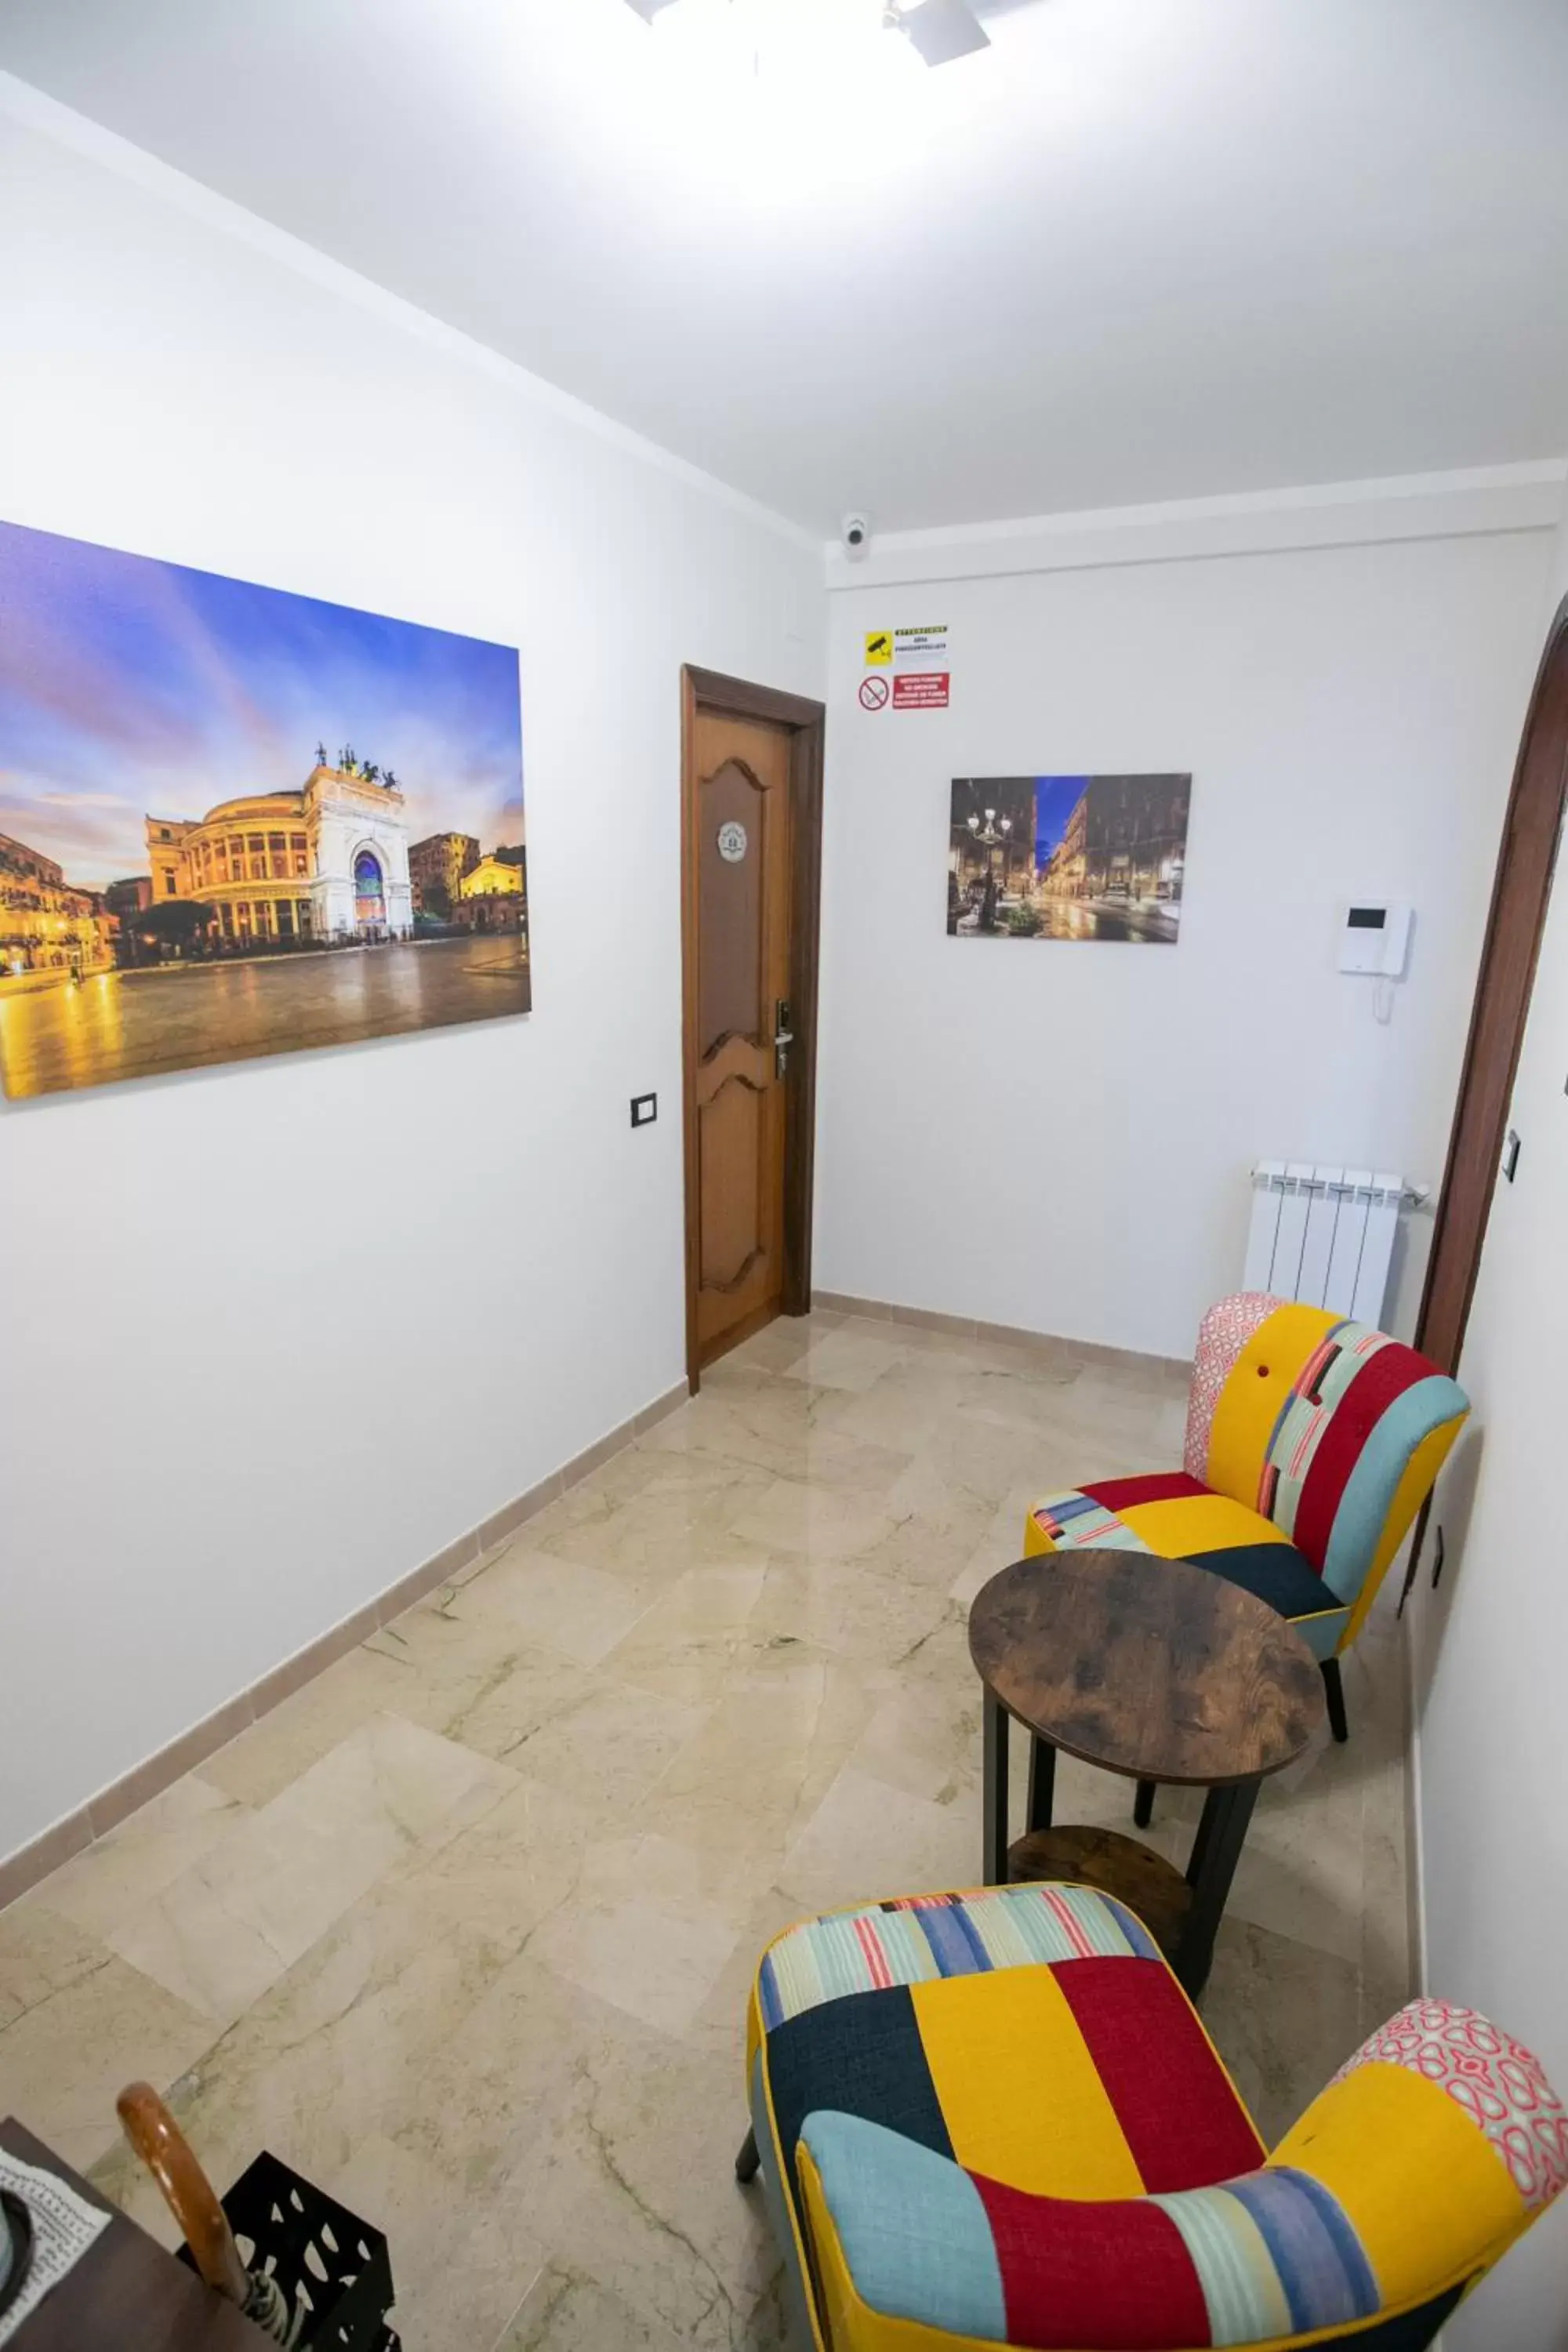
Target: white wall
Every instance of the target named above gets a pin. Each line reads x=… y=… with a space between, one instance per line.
x=193 y=1488
x=1058 y=1135
x=1491 y=1641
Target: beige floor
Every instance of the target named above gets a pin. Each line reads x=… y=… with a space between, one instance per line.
x=463 y=1929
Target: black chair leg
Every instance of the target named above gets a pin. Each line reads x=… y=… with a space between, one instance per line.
x=1334 y=1691
x=747 y=2162
x=1144 y=1803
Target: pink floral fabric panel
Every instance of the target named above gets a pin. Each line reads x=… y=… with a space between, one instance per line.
x=1223 y=1332
x=1499 y=2083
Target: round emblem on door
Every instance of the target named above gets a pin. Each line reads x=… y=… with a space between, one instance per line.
x=731 y=842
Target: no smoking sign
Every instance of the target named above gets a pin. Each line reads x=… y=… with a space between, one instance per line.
x=874 y=693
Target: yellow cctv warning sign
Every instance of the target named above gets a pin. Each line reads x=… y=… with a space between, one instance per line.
x=879 y=648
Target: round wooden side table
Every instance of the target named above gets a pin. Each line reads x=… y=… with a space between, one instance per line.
x=1161 y=1672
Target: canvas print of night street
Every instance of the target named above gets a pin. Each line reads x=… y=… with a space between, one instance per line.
x=1067 y=857
x=235 y=822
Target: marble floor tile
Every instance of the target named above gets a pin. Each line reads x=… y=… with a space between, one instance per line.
x=65 y=2058
x=817 y=1521
x=855 y=1356
x=336 y=2051
x=867 y=1840
x=41 y=1954
x=226 y=1927
x=266 y=1759
x=610 y=1746
x=1283 y=2016
x=149 y=1848
x=642 y=1928
x=784 y=1426
x=923 y=1734
x=579 y=1611
x=474 y=1675
x=461 y=2269
x=879 y=1615
x=566 y=2313
x=692 y=1641
x=464 y=1928
x=682 y=1515
x=745 y=1786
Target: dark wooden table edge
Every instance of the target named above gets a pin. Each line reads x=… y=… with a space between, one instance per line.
x=1140 y=1771
x=127 y=2294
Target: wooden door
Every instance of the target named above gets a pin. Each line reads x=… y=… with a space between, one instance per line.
x=1520 y=894
x=741 y=854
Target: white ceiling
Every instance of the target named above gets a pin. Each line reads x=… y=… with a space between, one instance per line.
x=1139 y=249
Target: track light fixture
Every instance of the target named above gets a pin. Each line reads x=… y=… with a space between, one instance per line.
x=938 y=30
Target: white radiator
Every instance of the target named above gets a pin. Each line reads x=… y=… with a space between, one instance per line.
x=1324 y=1234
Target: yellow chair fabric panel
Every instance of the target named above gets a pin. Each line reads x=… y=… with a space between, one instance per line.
x=1252 y=1398
x=1018 y=2091
x=1195 y=1523
x=1420 y=1476
x=1036 y=1539
x=1412 y=2172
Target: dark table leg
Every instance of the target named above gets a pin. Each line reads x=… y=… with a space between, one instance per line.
x=1215 y=1852
x=1042 y=1781
x=993 y=1857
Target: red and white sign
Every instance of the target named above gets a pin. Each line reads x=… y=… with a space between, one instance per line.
x=874 y=693
x=924 y=689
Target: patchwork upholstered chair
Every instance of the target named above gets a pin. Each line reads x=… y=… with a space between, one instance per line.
x=1311 y=1445
x=995 y=2119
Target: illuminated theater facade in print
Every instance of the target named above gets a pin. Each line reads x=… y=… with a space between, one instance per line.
x=328 y=864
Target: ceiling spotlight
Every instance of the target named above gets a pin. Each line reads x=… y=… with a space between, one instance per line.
x=940 y=29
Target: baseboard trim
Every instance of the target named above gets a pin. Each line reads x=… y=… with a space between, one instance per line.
x=1013 y=1335
x=64 y=1839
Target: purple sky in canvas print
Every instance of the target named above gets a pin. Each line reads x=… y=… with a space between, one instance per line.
x=129 y=688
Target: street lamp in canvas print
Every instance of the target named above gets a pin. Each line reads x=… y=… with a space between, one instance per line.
x=235 y=822
x=1067 y=857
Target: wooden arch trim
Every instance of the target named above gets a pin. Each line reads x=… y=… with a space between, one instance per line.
x=1521 y=891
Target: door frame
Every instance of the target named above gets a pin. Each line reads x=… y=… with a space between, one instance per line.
x=737 y=697
x=1521 y=891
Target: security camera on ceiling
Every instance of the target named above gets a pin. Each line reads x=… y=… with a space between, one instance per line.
x=855 y=532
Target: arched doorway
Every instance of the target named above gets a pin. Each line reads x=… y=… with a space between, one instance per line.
x=370 y=892
x=1521 y=892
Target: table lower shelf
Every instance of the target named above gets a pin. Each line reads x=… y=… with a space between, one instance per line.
x=1117 y=1866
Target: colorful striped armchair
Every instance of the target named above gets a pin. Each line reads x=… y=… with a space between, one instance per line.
x=1311 y=1445
x=995 y=2118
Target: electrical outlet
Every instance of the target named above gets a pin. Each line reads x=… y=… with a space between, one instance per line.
x=644 y=1110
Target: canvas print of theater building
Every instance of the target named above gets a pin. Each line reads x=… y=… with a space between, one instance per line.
x=151 y=920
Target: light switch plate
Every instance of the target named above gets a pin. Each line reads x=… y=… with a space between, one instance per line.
x=644 y=1110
